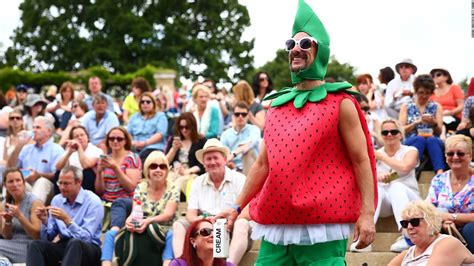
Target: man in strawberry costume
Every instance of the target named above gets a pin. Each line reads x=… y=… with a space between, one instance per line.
x=314 y=180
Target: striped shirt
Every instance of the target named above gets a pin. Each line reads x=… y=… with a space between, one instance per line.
x=113 y=190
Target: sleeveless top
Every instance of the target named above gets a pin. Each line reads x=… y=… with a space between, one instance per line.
x=311 y=178
x=413 y=114
x=18 y=232
x=422 y=259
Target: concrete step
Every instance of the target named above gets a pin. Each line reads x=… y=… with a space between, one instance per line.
x=425 y=177
x=386 y=225
x=352 y=259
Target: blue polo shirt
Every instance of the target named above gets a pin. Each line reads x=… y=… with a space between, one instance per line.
x=142 y=129
x=233 y=139
x=96 y=131
x=86 y=213
x=41 y=158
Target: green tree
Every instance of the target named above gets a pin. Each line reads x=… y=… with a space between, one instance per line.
x=279 y=70
x=197 y=37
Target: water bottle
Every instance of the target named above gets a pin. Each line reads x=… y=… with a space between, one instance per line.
x=137 y=214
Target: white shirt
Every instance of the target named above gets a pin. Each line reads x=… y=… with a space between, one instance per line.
x=395 y=87
x=91 y=152
x=204 y=196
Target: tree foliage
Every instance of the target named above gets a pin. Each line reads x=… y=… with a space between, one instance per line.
x=196 y=37
x=279 y=70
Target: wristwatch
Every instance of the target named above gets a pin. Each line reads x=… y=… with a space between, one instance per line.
x=236 y=207
x=455 y=216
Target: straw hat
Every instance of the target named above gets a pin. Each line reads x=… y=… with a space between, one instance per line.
x=407 y=61
x=212 y=145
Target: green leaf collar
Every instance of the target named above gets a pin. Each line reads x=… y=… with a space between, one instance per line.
x=301 y=97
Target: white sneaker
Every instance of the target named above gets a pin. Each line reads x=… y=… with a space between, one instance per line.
x=399 y=245
x=362 y=250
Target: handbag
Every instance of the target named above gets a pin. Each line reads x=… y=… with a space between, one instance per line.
x=453 y=231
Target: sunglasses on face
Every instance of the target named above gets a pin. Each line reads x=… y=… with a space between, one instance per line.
x=240 y=114
x=405 y=66
x=458 y=153
x=117 y=139
x=204 y=232
x=184 y=127
x=365 y=108
x=18 y=118
x=304 y=43
x=437 y=74
x=145 y=101
x=162 y=166
x=74 y=106
x=263 y=79
x=392 y=132
x=414 y=222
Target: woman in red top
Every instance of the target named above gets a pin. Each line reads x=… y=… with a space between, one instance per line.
x=450 y=96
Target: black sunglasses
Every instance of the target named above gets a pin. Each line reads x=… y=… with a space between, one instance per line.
x=240 y=114
x=458 y=153
x=204 y=232
x=304 y=43
x=365 y=109
x=145 y=101
x=414 y=222
x=118 y=139
x=184 y=127
x=392 y=132
x=262 y=79
x=162 y=166
x=438 y=74
x=15 y=118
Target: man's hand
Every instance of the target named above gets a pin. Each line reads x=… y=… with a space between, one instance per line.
x=229 y=214
x=364 y=231
x=33 y=176
x=60 y=214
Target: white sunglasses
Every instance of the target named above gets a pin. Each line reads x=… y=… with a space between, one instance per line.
x=304 y=43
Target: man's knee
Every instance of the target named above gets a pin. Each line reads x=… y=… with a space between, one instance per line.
x=74 y=245
x=37 y=245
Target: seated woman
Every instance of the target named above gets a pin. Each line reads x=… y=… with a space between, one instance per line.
x=366 y=86
x=181 y=152
x=19 y=222
x=397 y=184
x=148 y=127
x=450 y=96
x=422 y=222
x=35 y=106
x=452 y=192
x=423 y=121
x=372 y=120
x=15 y=126
x=81 y=154
x=118 y=173
x=198 y=246
x=63 y=102
x=131 y=104
x=207 y=116
x=159 y=200
x=71 y=119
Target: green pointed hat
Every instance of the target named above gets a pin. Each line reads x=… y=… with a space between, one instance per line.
x=307 y=21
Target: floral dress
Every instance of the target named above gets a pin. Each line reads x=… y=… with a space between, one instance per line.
x=413 y=114
x=442 y=196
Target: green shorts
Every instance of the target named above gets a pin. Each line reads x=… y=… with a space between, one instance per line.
x=320 y=254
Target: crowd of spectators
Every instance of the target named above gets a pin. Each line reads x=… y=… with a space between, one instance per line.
x=92 y=166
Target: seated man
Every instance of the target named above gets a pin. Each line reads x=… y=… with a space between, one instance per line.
x=99 y=121
x=242 y=139
x=211 y=193
x=39 y=158
x=71 y=234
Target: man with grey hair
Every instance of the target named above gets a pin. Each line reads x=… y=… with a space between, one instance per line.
x=71 y=231
x=38 y=159
x=99 y=121
x=95 y=88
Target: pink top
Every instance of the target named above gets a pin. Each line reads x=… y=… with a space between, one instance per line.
x=311 y=179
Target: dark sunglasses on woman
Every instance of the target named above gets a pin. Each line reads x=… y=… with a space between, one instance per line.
x=413 y=221
x=162 y=166
x=392 y=132
x=204 y=232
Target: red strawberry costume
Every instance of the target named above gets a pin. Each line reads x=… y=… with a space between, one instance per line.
x=311 y=178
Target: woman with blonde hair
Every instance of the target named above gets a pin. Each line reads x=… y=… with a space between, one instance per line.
x=243 y=92
x=397 y=184
x=423 y=224
x=207 y=116
x=452 y=192
x=159 y=200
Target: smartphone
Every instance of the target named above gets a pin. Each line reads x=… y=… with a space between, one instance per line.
x=103 y=156
x=393 y=176
x=426 y=115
